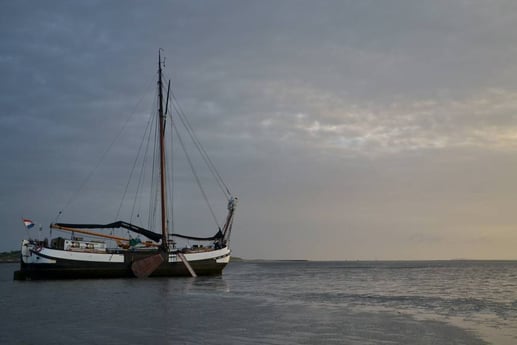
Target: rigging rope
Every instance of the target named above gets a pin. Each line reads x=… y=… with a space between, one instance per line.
x=147 y=128
x=196 y=177
x=103 y=156
x=197 y=143
x=154 y=185
x=211 y=166
x=142 y=169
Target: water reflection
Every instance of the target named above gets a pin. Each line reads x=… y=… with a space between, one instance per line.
x=168 y=287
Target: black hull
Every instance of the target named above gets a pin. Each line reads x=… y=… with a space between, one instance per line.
x=72 y=269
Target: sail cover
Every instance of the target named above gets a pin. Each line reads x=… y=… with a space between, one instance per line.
x=115 y=225
x=134 y=228
x=217 y=236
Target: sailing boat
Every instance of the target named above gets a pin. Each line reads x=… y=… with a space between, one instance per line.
x=76 y=257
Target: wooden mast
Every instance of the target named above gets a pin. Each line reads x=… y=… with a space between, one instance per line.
x=163 y=197
x=144 y=267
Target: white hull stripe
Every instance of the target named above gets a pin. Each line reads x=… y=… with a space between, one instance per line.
x=46 y=255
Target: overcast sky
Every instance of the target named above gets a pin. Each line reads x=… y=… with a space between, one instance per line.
x=348 y=129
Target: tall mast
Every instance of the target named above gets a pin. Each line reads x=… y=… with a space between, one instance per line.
x=165 y=235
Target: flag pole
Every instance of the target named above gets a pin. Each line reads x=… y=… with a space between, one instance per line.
x=25 y=227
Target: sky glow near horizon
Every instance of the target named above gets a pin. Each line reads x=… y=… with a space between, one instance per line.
x=348 y=129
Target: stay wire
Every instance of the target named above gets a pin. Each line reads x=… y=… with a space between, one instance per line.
x=103 y=156
x=197 y=143
x=211 y=166
x=142 y=168
x=149 y=121
x=196 y=177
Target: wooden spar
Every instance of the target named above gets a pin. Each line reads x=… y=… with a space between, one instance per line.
x=53 y=226
x=163 y=198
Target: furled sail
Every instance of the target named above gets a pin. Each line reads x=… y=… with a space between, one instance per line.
x=134 y=228
x=115 y=225
x=219 y=235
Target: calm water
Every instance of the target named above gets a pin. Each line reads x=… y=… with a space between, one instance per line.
x=452 y=302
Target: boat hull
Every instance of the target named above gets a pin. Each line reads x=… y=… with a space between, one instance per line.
x=41 y=264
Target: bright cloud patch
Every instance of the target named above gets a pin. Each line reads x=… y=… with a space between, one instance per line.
x=328 y=121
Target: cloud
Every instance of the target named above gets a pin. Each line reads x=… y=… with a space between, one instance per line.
x=355 y=127
x=326 y=121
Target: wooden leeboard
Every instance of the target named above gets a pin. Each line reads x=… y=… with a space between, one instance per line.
x=144 y=267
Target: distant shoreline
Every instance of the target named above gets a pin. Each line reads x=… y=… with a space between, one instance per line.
x=12 y=257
